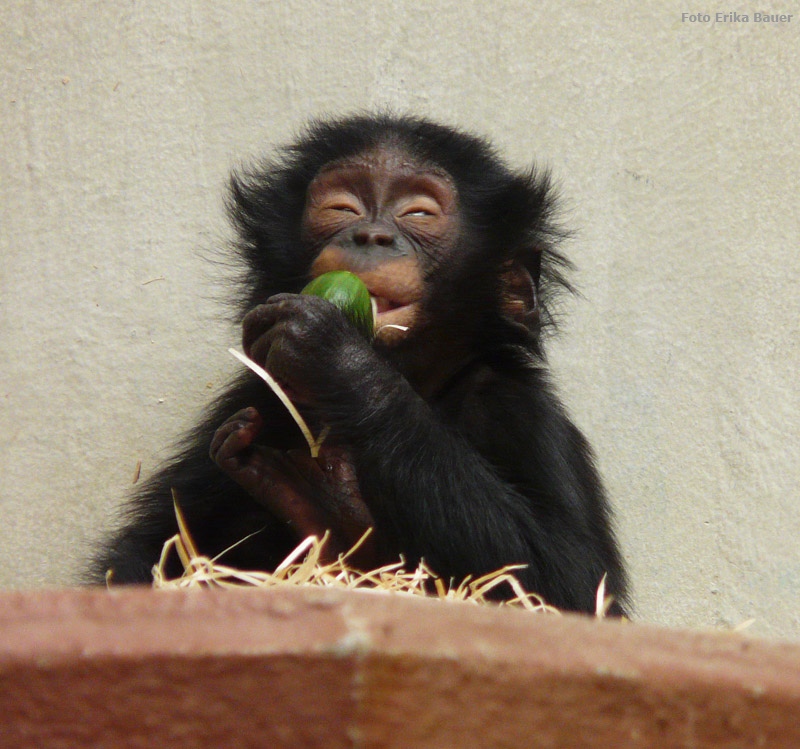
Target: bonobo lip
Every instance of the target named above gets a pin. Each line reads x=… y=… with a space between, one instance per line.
x=394 y=313
x=384 y=305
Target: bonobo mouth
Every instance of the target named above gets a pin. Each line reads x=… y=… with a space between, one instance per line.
x=384 y=305
x=395 y=288
x=393 y=318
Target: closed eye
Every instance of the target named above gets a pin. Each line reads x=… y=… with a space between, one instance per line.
x=340 y=201
x=420 y=207
x=341 y=207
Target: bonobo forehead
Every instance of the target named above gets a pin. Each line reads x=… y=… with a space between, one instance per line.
x=385 y=169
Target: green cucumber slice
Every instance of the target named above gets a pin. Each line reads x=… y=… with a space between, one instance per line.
x=348 y=292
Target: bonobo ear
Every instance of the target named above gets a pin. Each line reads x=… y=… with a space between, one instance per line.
x=519 y=298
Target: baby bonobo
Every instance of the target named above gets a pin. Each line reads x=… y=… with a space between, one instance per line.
x=444 y=434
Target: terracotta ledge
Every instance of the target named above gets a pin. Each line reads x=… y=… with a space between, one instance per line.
x=311 y=667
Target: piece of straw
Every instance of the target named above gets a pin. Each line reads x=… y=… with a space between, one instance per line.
x=313 y=443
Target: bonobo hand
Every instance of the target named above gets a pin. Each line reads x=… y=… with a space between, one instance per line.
x=310 y=496
x=306 y=343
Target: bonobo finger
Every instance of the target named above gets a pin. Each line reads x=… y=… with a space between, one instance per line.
x=220 y=436
x=255 y=323
x=259 y=348
x=235 y=443
x=285 y=297
x=245 y=415
x=260 y=473
x=236 y=434
x=262 y=318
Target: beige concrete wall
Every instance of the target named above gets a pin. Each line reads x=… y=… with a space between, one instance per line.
x=675 y=145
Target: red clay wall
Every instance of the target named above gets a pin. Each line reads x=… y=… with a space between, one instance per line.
x=309 y=667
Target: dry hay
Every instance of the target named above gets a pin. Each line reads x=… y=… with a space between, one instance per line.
x=305 y=566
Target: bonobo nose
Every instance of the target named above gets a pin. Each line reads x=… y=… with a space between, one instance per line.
x=369 y=236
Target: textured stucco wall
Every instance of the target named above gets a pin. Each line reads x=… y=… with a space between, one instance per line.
x=675 y=145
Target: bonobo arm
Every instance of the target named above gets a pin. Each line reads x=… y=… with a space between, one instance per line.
x=465 y=487
x=460 y=483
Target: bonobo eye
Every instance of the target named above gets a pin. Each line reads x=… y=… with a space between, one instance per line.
x=340 y=202
x=420 y=207
x=341 y=208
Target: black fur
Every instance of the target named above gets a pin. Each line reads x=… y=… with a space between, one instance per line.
x=487 y=472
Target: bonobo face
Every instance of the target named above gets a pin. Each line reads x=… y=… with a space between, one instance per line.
x=387 y=218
